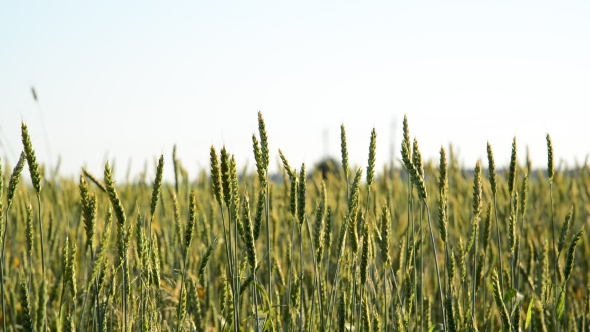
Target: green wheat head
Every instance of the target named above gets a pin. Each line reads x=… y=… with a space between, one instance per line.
x=512 y=168
x=492 y=170
x=550 y=170
x=372 y=158
x=14 y=179
x=31 y=158
x=344 y=151
x=157 y=186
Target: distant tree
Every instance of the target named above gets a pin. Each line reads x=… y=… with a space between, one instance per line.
x=328 y=165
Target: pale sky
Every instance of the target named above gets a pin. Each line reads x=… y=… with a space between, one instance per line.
x=126 y=80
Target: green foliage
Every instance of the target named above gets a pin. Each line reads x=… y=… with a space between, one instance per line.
x=200 y=249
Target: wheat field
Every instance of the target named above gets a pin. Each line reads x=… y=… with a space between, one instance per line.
x=429 y=245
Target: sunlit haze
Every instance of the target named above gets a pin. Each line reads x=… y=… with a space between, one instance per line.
x=126 y=81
